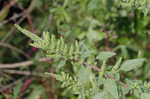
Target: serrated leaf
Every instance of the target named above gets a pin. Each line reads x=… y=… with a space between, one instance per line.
x=145 y=96
x=28 y=33
x=132 y=64
x=111 y=87
x=105 y=55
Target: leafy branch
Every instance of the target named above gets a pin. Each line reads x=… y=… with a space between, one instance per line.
x=105 y=82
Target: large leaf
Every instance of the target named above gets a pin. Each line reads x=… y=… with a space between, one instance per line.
x=105 y=55
x=145 y=96
x=132 y=64
x=85 y=75
x=111 y=87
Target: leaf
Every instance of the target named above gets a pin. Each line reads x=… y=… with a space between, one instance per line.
x=117 y=65
x=84 y=75
x=37 y=92
x=132 y=64
x=16 y=90
x=93 y=4
x=102 y=95
x=145 y=96
x=94 y=35
x=125 y=90
x=28 y=33
x=3 y=13
x=46 y=36
x=111 y=87
x=105 y=55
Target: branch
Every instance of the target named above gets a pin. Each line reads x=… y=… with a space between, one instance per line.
x=13 y=48
x=23 y=64
x=29 y=73
x=24 y=14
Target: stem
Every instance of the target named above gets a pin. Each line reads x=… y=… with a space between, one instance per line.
x=23 y=64
x=13 y=48
x=28 y=73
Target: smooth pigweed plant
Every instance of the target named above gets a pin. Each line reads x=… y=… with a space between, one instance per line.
x=88 y=73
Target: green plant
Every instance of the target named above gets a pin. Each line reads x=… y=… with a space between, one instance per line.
x=137 y=4
x=83 y=34
x=89 y=75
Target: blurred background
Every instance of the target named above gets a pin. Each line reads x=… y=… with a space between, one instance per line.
x=108 y=25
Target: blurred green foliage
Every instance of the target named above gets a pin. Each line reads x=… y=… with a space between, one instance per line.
x=121 y=26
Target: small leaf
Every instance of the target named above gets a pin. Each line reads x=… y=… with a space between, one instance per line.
x=111 y=87
x=117 y=65
x=62 y=44
x=58 y=45
x=37 y=93
x=71 y=50
x=105 y=55
x=37 y=44
x=145 y=96
x=53 y=41
x=46 y=36
x=3 y=13
x=94 y=35
x=77 y=47
x=16 y=90
x=132 y=64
